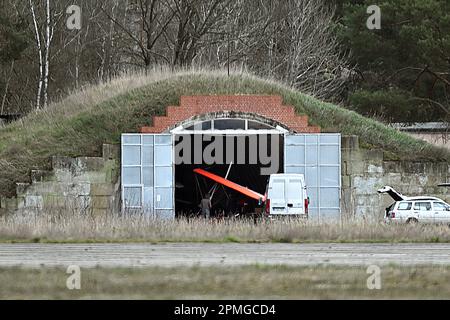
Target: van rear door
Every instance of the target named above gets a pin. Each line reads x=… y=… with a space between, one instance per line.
x=277 y=196
x=294 y=196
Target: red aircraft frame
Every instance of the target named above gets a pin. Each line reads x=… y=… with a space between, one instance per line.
x=229 y=184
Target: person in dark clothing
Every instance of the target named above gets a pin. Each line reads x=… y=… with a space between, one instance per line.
x=206 y=206
x=230 y=205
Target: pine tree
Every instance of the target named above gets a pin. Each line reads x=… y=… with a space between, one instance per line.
x=408 y=57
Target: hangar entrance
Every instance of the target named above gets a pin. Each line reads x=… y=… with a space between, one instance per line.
x=236 y=157
x=241 y=150
x=158 y=177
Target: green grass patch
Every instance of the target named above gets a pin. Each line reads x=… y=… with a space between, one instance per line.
x=249 y=282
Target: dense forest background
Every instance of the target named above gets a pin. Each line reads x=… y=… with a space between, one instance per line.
x=399 y=73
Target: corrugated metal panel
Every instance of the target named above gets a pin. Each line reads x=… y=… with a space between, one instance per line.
x=318 y=157
x=148 y=174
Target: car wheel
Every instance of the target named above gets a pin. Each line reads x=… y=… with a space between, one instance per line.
x=412 y=221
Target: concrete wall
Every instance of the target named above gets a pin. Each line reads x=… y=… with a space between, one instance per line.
x=365 y=171
x=86 y=184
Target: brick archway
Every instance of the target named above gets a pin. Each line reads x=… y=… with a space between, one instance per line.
x=206 y=117
x=270 y=107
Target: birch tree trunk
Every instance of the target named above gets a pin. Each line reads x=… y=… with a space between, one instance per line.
x=40 y=54
x=48 y=40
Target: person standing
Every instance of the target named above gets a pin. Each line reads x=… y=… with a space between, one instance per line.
x=206 y=206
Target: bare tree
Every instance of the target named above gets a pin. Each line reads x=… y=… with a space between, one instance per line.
x=145 y=26
x=290 y=40
x=48 y=40
x=196 y=19
x=40 y=55
x=43 y=43
x=296 y=45
x=314 y=62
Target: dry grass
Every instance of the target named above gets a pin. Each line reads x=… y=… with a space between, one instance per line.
x=251 y=282
x=113 y=228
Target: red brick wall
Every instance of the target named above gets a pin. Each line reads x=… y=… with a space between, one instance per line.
x=270 y=107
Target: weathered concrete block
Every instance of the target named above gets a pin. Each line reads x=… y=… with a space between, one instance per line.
x=111 y=152
x=90 y=164
x=347 y=204
x=63 y=163
x=437 y=169
x=413 y=190
x=413 y=167
x=392 y=166
x=431 y=190
x=68 y=185
x=422 y=179
x=21 y=188
x=79 y=189
x=102 y=189
x=393 y=179
x=344 y=167
x=58 y=188
x=112 y=171
x=350 y=142
x=36 y=202
x=361 y=201
x=346 y=181
x=352 y=162
x=62 y=175
x=355 y=167
x=44 y=188
x=356 y=156
x=20 y=202
x=368 y=185
x=374 y=155
x=11 y=204
x=55 y=201
x=374 y=169
x=90 y=177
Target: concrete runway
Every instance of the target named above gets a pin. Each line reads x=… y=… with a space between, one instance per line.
x=187 y=254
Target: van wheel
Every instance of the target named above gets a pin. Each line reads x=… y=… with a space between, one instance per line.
x=412 y=221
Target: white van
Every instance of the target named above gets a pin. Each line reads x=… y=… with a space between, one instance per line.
x=286 y=196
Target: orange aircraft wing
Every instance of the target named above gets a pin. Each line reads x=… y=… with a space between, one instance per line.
x=227 y=183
